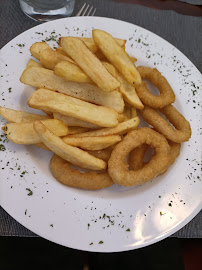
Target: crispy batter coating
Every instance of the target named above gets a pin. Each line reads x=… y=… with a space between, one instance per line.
x=64 y=173
x=136 y=157
x=118 y=168
x=167 y=95
x=182 y=132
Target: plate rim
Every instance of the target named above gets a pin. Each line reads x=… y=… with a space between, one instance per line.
x=171 y=231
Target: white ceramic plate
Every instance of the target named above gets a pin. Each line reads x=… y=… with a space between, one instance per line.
x=121 y=218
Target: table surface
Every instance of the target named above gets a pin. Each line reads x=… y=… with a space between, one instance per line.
x=180 y=30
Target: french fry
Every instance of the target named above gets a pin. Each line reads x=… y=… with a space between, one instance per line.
x=72 y=121
x=117 y=56
x=70 y=153
x=89 y=63
x=100 y=56
x=61 y=51
x=77 y=130
x=121 y=117
x=49 y=58
x=55 y=102
x=120 y=129
x=32 y=63
x=133 y=59
x=126 y=89
x=24 y=133
x=93 y=143
x=133 y=112
x=89 y=42
x=37 y=48
x=71 y=72
x=20 y=116
x=127 y=113
x=44 y=78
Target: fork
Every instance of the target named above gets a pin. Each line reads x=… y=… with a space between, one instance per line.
x=86 y=11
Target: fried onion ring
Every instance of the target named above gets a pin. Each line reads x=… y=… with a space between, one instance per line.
x=167 y=95
x=136 y=157
x=118 y=168
x=183 y=130
x=65 y=174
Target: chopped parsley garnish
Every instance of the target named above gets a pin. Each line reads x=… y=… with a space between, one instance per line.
x=51 y=225
x=91 y=243
x=30 y=192
x=2 y=147
x=101 y=242
x=128 y=230
x=9 y=89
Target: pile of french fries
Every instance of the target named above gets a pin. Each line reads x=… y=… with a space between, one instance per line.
x=86 y=88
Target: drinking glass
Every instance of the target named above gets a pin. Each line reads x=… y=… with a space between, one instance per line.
x=47 y=10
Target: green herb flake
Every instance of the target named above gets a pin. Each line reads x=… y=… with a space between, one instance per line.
x=170 y=204
x=88 y=226
x=9 y=89
x=25 y=212
x=51 y=225
x=30 y=192
x=139 y=40
x=2 y=147
x=21 y=45
x=128 y=230
x=101 y=242
x=91 y=243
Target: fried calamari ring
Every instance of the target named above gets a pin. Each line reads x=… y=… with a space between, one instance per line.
x=136 y=157
x=183 y=130
x=65 y=174
x=167 y=95
x=118 y=168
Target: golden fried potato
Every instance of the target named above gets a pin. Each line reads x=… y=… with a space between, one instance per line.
x=77 y=130
x=120 y=129
x=32 y=63
x=44 y=78
x=48 y=100
x=50 y=58
x=61 y=51
x=71 y=72
x=89 y=42
x=89 y=63
x=23 y=133
x=20 y=116
x=70 y=153
x=117 y=56
x=37 y=48
x=72 y=121
x=93 y=143
x=126 y=89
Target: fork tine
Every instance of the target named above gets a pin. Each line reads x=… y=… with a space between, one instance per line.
x=85 y=10
x=89 y=11
x=80 y=11
x=93 y=12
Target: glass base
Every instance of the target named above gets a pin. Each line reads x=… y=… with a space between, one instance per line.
x=43 y=10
